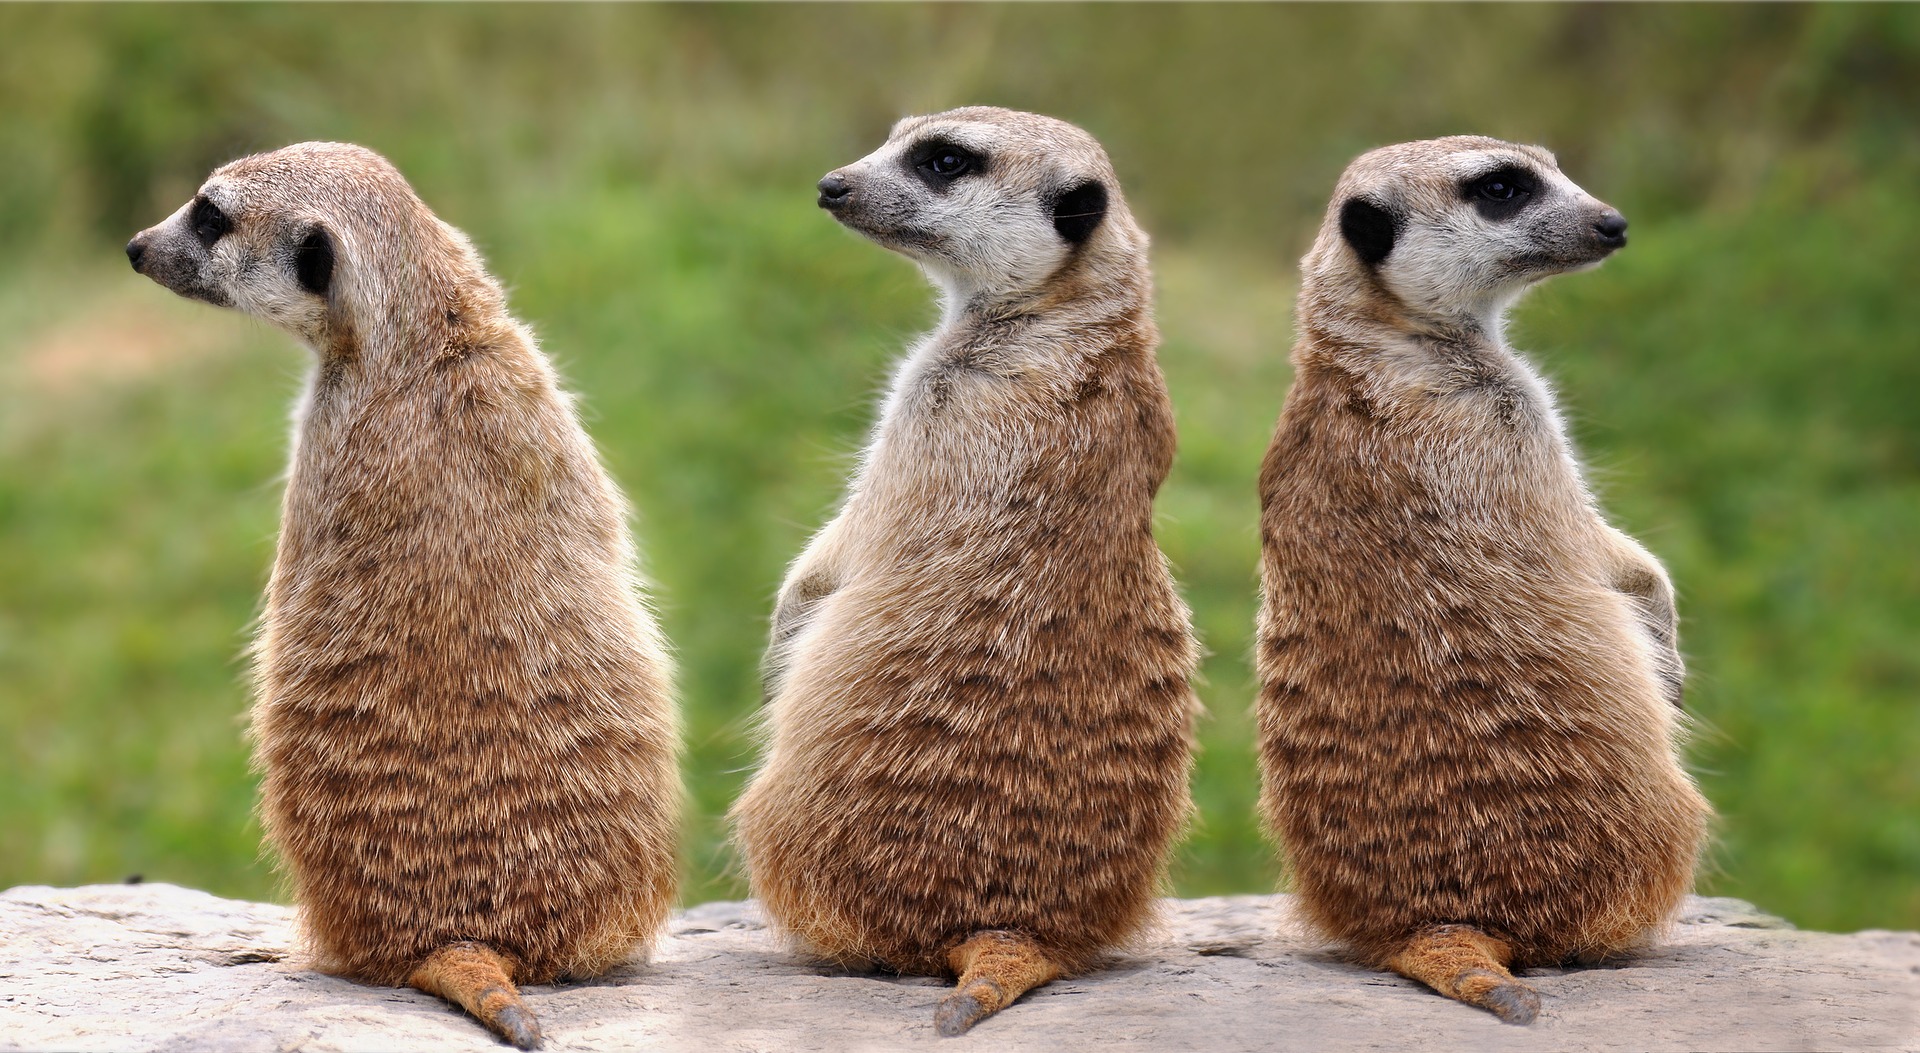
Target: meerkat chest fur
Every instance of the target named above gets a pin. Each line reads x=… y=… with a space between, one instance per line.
x=985 y=408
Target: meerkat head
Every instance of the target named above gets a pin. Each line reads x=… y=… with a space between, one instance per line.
x=1458 y=228
x=988 y=201
x=288 y=236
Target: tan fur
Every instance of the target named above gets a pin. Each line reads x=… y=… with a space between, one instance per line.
x=994 y=969
x=980 y=711
x=476 y=978
x=1462 y=962
x=464 y=721
x=1467 y=676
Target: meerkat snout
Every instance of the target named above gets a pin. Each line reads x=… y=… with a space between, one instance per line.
x=178 y=252
x=1612 y=228
x=834 y=191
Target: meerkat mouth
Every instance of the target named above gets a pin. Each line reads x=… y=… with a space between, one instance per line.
x=188 y=287
x=1546 y=264
x=898 y=238
x=164 y=270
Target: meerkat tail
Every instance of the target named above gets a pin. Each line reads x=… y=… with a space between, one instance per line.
x=1462 y=962
x=478 y=979
x=995 y=968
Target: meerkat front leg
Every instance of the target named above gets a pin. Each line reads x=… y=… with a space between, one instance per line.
x=1637 y=573
x=812 y=578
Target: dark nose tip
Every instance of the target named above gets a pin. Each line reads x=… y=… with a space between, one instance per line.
x=135 y=250
x=1612 y=228
x=834 y=191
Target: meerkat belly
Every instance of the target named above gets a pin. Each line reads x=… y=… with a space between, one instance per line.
x=991 y=769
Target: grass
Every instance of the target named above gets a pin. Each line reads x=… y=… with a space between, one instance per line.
x=1739 y=380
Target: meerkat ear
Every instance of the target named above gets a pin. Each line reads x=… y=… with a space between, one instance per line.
x=1077 y=212
x=1370 y=228
x=313 y=261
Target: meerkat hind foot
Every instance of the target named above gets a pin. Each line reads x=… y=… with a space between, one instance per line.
x=995 y=968
x=1463 y=963
x=478 y=979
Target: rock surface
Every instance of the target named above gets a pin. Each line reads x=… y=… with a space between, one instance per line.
x=162 y=968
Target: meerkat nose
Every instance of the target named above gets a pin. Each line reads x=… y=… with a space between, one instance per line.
x=135 y=250
x=1612 y=228
x=834 y=191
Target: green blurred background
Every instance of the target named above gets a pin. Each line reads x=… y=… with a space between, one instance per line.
x=1742 y=381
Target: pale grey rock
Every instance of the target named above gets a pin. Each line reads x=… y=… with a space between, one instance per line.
x=162 y=968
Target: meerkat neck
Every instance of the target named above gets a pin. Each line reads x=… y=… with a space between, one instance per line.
x=1038 y=342
x=1484 y=318
x=1034 y=336
x=1401 y=359
x=1079 y=296
x=1330 y=322
x=409 y=297
x=408 y=332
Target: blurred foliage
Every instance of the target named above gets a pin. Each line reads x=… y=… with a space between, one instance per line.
x=1741 y=379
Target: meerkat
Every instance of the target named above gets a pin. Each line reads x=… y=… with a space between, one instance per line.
x=463 y=715
x=1469 y=695
x=979 y=670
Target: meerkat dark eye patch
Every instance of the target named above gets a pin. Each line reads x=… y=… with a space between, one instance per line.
x=1077 y=212
x=313 y=262
x=207 y=222
x=1501 y=193
x=1369 y=228
x=938 y=163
